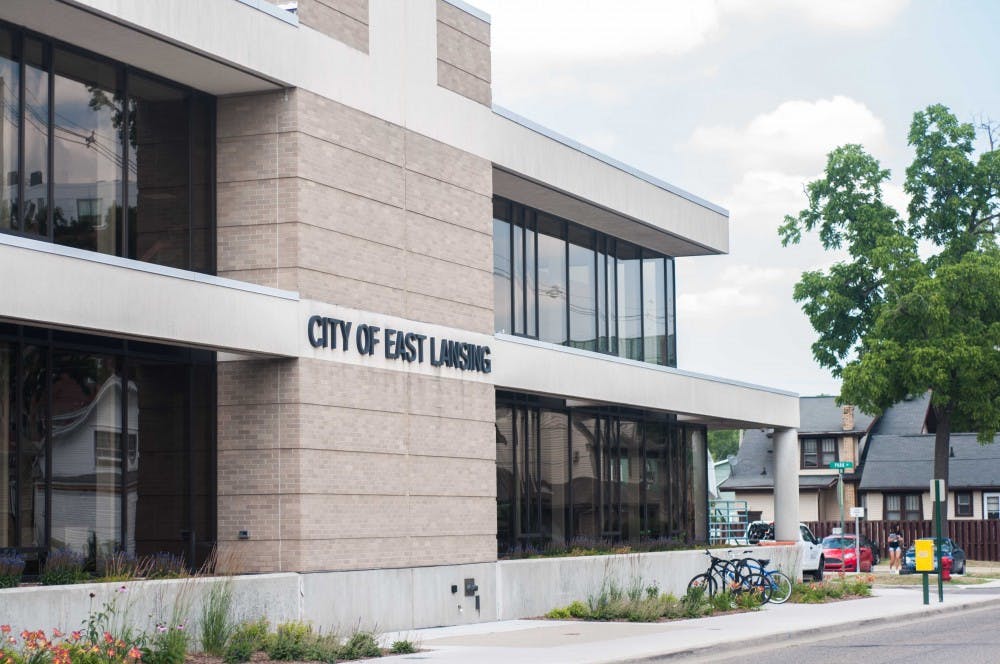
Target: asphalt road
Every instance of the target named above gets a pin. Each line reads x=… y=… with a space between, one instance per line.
x=964 y=637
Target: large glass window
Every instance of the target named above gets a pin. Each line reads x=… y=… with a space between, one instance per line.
x=552 y=309
x=501 y=277
x=654 y=309
x=577 y=473
x=582 y=289
x=629 y=302
x=112 y=445
x=100 y=157
x=903 y=507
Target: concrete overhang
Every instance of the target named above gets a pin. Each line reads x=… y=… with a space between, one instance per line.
x=532 y=366
x=545 y=170
x=71 y=289
x=110 y=35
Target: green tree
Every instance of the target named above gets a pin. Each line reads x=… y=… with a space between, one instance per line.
x=894 y=321
x=723 y=442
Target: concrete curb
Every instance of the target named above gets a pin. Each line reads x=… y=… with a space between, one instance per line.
x=724 y=648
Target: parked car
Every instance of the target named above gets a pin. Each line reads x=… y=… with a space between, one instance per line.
x=840 y=555
x=876 y=549
x=949 y=549
x=761 y=532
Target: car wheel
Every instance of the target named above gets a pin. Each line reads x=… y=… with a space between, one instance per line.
x=962 y=571
x=818 y=574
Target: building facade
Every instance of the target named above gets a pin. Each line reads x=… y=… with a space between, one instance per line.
x=287 y=283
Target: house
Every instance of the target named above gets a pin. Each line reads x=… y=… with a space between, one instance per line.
x=827 y=433
x=898 y=465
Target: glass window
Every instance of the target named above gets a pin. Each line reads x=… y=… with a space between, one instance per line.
x=527 y=462
x=158 y=172
x=654 y=310
x=86 y=420
x=656 y=480
x=8 y=452
x=10 y=90
x=518 y=277
x=829 y=452
x=630 y=471
x=903 y=507
x=963 y=503
x=584 y=465
x=501 y=277
x=671 y=316
x=629 y=302
x=31 y=478
x=611 y=270
x=810 y=456
x=551 y=281
x=555 y=475
x=506 y=536
x=88 y=131
x=530 y=280
x=582 y=290
x=991 y=505
x=35 y=172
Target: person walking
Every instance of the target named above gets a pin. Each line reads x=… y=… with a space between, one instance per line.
x=895 y=550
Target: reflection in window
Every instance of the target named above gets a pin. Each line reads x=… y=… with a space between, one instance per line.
x=582 y=291
x=654 y=310
x=501 y=277
x=10 y=90
x=131 y=171
x=629 y=302
x=551 y=282
x=605 y=477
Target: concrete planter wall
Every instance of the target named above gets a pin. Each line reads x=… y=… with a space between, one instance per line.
x=386 y=599
x=533 y=587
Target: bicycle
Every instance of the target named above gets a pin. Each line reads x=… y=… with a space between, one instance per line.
x=732 y=575
x=779 y=584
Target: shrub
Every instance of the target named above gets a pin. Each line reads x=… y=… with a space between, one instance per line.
x=63 y=566
x=121 y=566
x=695 y=603
x=216 y=625
x=169 y=645
x=247 y=638
x=361 y=644
x=403 y=647
x=290 y=641
x=840 y=588
x=164 y=565
x=11 y=568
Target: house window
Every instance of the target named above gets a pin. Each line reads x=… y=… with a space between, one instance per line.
x=991 y=505
x=903 y=507
x=818 y=452
x=963 y=503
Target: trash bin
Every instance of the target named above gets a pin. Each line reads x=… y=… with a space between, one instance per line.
x=945 y=568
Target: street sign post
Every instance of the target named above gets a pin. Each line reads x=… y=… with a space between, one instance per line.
x=840 y=467
x=858 y=513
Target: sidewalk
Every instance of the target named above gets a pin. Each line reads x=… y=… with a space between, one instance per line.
x=578 y=642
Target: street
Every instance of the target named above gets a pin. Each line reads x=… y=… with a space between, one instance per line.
x=965 y=637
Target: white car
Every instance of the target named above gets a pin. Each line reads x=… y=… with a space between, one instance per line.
x=812 y=550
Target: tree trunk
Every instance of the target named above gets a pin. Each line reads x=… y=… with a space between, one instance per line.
x=942 y=450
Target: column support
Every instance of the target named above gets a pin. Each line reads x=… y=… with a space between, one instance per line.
x=699 y=483
x=786 y=484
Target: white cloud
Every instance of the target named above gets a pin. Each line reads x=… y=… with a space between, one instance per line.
x=796 y=136
x=582 y=30
x=840 y=15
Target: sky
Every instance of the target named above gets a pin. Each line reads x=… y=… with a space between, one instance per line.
x=738 y=102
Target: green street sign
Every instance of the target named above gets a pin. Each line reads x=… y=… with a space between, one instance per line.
x=842 y=465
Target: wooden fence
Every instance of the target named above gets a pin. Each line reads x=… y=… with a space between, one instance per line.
x=979 y=539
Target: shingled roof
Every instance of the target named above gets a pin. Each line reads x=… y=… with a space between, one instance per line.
x=904 y=418
x=754 y=467
x=907 y=462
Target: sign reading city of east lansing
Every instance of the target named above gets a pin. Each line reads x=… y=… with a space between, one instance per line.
x=334 y=333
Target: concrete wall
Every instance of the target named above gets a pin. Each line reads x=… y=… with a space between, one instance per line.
x=530 y=588
x=385 y=600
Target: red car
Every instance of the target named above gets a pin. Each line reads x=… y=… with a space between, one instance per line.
x=839 y=554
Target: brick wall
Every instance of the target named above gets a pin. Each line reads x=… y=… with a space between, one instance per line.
x=334 y=466
x=344 y=20
x=463 y=62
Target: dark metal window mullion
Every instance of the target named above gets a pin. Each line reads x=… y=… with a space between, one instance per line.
x=48 y=440
x=512 y=310
x=48 y=59
x=534 y=278
x=123 y=367
x=18 y=363
x=570 y=529
x=642 y=308
x=524 y=270
x=188 y=453
x=190 y=181
x=538 y=469
x=565 y=238
x=211 y=184
x=516 y=526
x=126 y=131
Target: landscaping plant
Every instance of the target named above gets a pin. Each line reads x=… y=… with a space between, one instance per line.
x=11 y=568
x=216 y=625
x=63 y=566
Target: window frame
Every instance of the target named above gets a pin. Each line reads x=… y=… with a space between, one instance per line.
x=608 y=305
x=903 y=513
x=986 y=497
x=822 y=458
x=969 y=509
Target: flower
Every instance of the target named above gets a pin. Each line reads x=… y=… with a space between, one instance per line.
x=123 y=589
x=56 y=633
x=76 y=636
x=108 y=638
x=5 y=629
x=134 y=653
